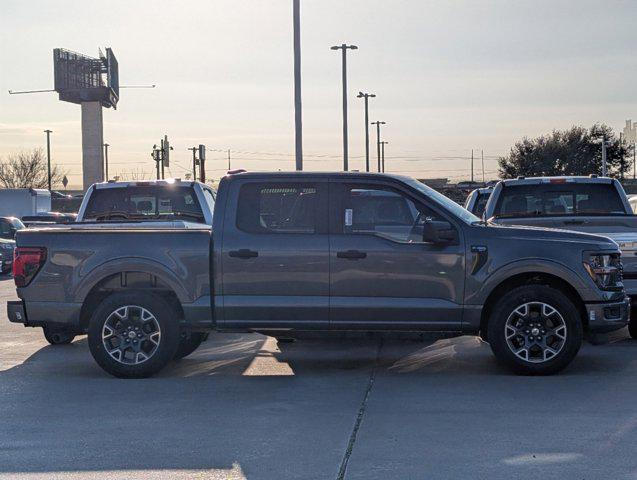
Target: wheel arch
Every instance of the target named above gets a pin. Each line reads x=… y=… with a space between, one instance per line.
x=128 y=281
x=530 y=278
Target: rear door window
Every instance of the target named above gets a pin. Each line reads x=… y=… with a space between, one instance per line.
x=279 y=208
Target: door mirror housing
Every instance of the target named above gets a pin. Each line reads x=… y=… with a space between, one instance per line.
x=439 y=232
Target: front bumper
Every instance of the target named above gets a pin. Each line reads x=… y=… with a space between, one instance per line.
x=606 y=317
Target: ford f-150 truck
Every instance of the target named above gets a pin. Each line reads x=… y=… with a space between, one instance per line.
x=583 y=204
x=326 y=252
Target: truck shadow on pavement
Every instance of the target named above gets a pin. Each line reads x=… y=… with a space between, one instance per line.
x=242 y=406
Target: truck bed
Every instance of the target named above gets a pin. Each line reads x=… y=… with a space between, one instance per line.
x=79 y=260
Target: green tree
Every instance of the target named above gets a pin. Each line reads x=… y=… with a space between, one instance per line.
x=28 y=169
x=576 y=151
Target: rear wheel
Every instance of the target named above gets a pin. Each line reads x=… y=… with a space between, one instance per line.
x=57 y=336
x=133 y=335
x=188 y=343
x=535 y=330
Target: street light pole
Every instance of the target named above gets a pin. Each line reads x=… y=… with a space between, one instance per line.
x=106 y=145
x=298 y=119
x=366 y=96
x=194 y=162
x=48 y=155
x=382 y=154
x=344 y=47
x=378 y=124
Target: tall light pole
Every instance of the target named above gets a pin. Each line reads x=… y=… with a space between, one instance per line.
x=366 y=96
x=298 y=119
x=382 y=155
x=344 y=47
x=106 y=145
x=48 y=155
x=378 y=124
x=194 y=161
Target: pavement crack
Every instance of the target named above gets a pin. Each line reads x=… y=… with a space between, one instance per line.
x=359 y=418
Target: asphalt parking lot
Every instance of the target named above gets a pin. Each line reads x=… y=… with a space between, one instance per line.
x=244 y=406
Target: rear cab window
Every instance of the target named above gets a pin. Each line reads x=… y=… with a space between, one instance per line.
x=280 y=207
x=144 y=202
x=559 y=199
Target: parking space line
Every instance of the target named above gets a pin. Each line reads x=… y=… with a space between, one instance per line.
x=359 y=418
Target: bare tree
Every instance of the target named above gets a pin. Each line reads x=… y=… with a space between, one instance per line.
x=28 y=169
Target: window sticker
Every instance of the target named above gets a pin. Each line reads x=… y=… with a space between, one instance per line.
x=349 y=214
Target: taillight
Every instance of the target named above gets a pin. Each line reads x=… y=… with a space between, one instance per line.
x=27 y=261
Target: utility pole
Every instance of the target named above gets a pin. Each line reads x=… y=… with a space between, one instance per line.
x=366 y=96
x=229 y=161
x=344 y=47
x=298 y=118
x=48 y=155
x=378 y=124
x=482 y=155
x=194 y=162
x=382 y=154
x=472 y=165
x=106 y=145
x=156 y=155
x=202 y=163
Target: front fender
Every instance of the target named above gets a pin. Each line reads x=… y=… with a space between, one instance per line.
x=584 y=286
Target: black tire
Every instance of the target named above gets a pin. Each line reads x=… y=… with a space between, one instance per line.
x=57 y=336
x=562 y=311
x=158 y=351
x=188 y=343
x=632 y=326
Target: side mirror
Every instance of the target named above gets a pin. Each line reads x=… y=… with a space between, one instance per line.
x=438 y=232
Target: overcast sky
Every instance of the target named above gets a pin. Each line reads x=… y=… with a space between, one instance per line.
x=450 y=76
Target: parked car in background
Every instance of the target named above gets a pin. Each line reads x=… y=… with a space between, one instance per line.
x=9 y=226
x=323 y=252
x=6 y=255
x=584 y=204
x=18 y=202
x=170 y=203
x=477 y=201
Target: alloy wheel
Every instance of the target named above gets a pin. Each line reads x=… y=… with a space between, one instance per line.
x=535 y=332
x=131 y=335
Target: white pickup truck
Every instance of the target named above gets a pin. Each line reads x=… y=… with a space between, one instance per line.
x=152 y=204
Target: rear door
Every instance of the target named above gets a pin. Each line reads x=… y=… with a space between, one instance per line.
x=383 y=275
x=274 y=255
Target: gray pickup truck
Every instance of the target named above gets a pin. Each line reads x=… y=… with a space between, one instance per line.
x=291 y=252
x=583 y=204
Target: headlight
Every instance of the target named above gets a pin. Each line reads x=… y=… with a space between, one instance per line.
x=605 y=269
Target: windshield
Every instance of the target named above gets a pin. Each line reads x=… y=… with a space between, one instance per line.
x=559 y=199
x=147 y=203
x=448 y=204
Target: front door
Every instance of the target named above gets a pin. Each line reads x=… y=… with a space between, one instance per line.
x=274 y=257
x=383 y=275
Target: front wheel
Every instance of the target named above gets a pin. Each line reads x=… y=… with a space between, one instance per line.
x=133 y=335
x=535 y=330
